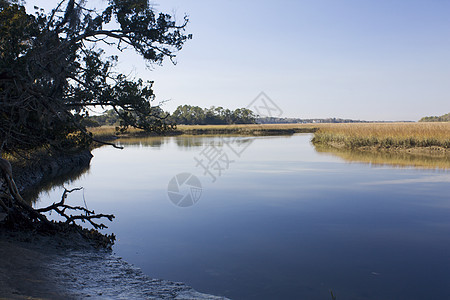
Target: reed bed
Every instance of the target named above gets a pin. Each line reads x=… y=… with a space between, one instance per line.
x=384 y=135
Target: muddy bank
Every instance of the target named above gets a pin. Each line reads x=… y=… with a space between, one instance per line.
x=54 y=268
x=46 y=168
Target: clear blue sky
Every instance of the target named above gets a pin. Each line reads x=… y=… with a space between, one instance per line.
x=359 y=59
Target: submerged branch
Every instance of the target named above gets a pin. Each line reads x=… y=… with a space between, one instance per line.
x=85 y=214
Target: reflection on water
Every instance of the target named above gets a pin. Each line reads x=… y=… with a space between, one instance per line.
x=184 y=142
x=283 y=221
x=155 y=142
x=47 y=184
x=396 y=159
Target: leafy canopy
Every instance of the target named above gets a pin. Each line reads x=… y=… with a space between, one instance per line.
x=53 y=69
x=194 y=115
x=443 y=118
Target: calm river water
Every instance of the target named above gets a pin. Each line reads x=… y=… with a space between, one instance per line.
x=272 y=218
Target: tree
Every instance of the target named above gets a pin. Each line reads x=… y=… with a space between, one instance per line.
x=53 y=70
x=194 y=115
x=243 y=116
x=443 y=118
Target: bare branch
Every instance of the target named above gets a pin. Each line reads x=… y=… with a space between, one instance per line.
x=85 y=214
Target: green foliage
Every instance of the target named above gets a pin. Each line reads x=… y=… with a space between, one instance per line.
x=443 y=118
x=53 y=70
x=194 y=115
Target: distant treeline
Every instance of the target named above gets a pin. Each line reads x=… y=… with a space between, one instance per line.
x=194 y=115
x=443 y=118
x=275 y=120
x=187 y=115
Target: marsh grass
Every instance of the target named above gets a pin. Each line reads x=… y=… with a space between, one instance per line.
x=384 y=135
x=108 y=132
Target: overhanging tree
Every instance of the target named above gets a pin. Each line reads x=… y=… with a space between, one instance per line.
x=53 y=69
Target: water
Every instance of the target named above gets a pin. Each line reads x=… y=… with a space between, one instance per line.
x=275 y=219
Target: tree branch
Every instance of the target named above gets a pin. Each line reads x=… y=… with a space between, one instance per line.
x=85 y=214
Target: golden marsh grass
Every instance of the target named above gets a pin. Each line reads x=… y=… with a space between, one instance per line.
x=384 y=135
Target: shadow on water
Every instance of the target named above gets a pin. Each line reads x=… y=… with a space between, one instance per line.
x=396 y=159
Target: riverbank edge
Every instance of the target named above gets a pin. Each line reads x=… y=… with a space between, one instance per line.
x=431 y=151
x=108 y=133
x=32 y=173
x=26 y=271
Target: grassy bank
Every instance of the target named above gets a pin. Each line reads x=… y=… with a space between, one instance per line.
x=109 y=132
x=385 y=136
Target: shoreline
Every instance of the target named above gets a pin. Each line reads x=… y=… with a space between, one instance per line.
x=108 y=133
x=431 y=151
x=413 y=138
x=45 y=267
x=35 y=173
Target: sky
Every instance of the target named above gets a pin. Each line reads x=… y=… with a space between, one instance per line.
x=355 y=59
